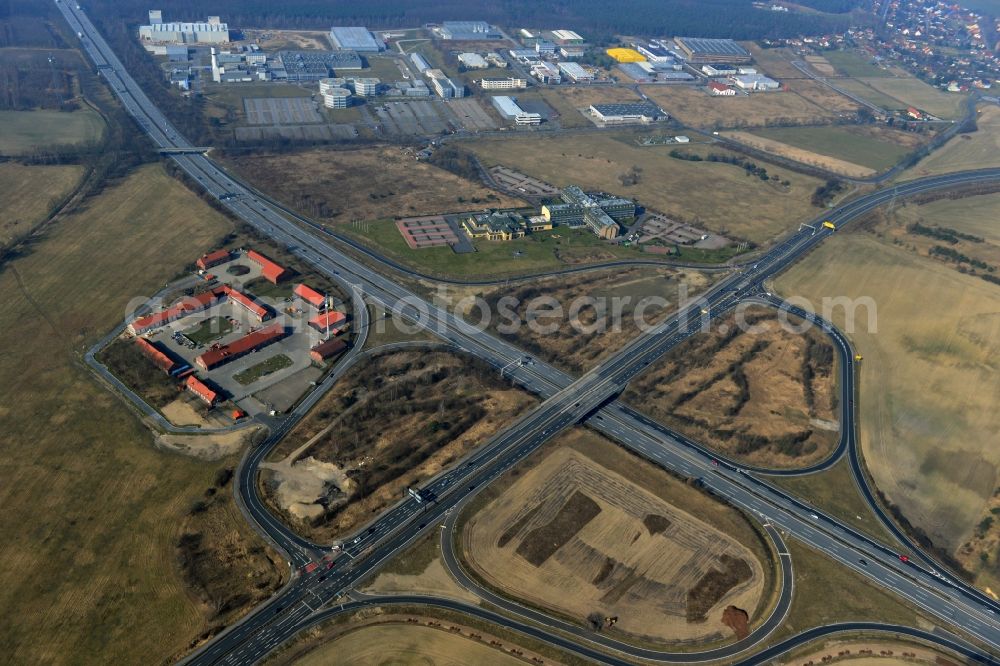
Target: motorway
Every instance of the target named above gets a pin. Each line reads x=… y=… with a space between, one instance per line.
x=589 y=398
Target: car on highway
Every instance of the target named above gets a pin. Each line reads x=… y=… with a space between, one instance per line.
x=904 y=558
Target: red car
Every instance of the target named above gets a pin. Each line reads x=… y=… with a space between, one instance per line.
x=904 y=558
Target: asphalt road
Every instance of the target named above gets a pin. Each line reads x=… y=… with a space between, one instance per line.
x=568 y=401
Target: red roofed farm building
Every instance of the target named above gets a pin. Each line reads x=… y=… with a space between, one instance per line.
x=327 y=322
x=325 y=350
x=310 y=296
x=273 y=273
x=717 y=88
x=259 y=311
x=213 y=259
x=200 y=389
x=222 y=354
x=181 y=308
x=159 y=357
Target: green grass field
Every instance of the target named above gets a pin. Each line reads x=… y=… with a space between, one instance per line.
x=840 y=143
x=210 y=329
x=26 y=131
x=91 y=510
x=853 y=64
x=866 y=92
x=264 y=368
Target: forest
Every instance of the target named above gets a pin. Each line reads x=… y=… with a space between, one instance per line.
x=737 y=19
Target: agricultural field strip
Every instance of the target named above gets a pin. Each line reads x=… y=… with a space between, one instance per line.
x=167 y=138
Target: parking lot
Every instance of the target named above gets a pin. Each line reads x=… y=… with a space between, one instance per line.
x=429 y=116
x=281 y=110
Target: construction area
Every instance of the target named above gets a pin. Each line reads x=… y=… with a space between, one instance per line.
x=616 y=544
x=241 y=337
x=766 y=396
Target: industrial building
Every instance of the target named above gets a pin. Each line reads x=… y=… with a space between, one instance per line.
x=206 y=261
x=251 y=342
x=563 y=37
x=448 y=88
x=240 y=67
x=509 y=109
x=356 y=39
x=546 y=72
x=182 y=308
x=326 y=85
x=510 y=83
x=699 y=50
x=310 y=296
x=718 y=70
x=572 y=51
x=273 y=273
x=327 y=322
x=315 y=65
x=327 y=349
x=626 y=55
x=755 y=82
x=545 y=48
x=524 y=55
x=201 y=390
x=575 y=72
x=639 y=112
x=655 y=52
x=211 y=31
x=601 y=215
x=419 y=62
x=415 y=88
x=472 y=61
x=468 y=31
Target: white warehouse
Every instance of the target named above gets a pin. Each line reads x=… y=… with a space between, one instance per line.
x=212 y=31
x=509 y=109
x=472 y=61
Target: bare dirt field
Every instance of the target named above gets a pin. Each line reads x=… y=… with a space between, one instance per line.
x=588 y=532
x=24 y=206
x=766 y=397
x=928 y=390
x=417 y=639
x=596 y=162
x=598 y=332
x=697 y=108
x=406 y=644
x=396 y=420
x=273 y=40
x=371 y=183
x=978 y=150
x=84 y=491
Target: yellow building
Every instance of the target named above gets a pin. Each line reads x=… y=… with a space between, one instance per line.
x=626 y=55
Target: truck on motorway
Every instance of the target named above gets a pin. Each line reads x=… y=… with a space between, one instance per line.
x=830 y=225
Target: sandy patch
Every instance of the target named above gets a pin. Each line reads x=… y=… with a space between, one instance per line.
x=208 y=447
x=799 y=155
